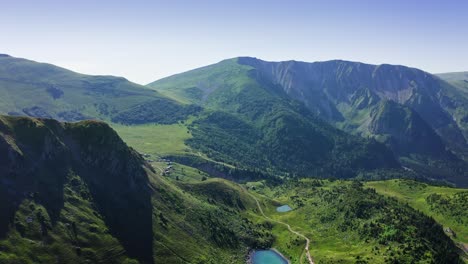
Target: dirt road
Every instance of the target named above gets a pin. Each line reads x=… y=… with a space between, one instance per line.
x=309 y=257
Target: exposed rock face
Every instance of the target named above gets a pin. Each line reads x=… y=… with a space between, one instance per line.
x=337 y=89
x=39 y=154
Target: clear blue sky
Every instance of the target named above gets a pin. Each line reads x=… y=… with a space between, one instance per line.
x=148 y=40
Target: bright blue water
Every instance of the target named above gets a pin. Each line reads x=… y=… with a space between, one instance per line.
x=283 y=209
x=267 y=257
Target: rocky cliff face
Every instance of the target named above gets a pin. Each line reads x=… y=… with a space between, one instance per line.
x=337 y=90
x=415 y=113
x=42 y=160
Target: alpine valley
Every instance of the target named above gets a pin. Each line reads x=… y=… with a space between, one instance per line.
x=324 y=162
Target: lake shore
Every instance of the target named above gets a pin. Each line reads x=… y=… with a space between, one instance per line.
x=252 y=251
x=283 y=209
x=279 y=253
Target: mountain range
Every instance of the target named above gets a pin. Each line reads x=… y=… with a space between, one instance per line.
x=192 y=168
x=323 y=118
x=419 y=116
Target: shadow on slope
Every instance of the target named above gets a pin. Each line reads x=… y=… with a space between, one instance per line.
x=41 y=153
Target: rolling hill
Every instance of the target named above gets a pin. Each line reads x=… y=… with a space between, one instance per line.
x=35 y=89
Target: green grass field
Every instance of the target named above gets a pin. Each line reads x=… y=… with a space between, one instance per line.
x=155 y=139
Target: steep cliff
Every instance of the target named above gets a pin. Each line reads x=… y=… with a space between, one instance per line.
x=49 y=170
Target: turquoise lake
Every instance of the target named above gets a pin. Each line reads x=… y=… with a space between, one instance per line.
x=267 y=257
x=283 y=209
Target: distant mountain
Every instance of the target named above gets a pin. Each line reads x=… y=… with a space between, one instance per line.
x=457 y=79
x=349 y=95
x=251 y=122
x=44 y=90
x=343 y=92
x=453 y=76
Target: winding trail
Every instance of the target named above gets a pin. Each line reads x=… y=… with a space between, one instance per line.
x=309 y=257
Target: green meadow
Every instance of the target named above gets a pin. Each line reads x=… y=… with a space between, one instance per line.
x=155 y=139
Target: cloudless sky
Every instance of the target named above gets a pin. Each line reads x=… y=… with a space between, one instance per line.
x=147 y=40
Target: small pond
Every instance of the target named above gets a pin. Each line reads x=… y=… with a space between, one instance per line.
x=267 y=257
x=283 y=209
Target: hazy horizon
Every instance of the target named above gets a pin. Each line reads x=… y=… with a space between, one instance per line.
x=145 y=41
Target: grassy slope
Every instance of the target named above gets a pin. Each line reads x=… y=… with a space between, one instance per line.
x=53 y=205
x=90 y=241
x=45 y=90
x=34 y=78
x=207 y=221
x=222 y=191
x=415 y=194
x=198 y=85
